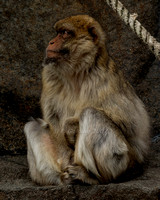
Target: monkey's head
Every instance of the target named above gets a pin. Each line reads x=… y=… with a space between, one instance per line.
x=79 y=39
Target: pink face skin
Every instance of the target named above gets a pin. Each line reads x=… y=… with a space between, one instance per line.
x=55 y=44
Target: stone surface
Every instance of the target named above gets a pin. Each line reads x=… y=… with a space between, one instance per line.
x=15 y=183
x=26 y=28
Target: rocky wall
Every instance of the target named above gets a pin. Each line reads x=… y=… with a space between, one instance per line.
x=26 y=28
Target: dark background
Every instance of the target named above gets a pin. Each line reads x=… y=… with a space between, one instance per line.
x=26 y=28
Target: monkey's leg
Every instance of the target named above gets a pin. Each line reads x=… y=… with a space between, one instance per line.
x=76 y=172
x=43 y=167
x=100 y=147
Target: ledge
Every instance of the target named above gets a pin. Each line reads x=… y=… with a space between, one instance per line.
x=16 y=184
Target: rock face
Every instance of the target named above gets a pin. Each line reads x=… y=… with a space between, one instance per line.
x=26 y=28
x=15 y=183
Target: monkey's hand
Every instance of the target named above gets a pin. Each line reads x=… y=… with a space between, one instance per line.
x=80 y=173
x=71 y=129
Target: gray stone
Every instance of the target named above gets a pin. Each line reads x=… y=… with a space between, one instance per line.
x=26 y=28
x=15 y=183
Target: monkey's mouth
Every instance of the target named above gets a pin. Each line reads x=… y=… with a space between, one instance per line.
x=57 y=53
x=53 y=56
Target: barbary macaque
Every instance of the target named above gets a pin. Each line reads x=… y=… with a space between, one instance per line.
x=94 y=126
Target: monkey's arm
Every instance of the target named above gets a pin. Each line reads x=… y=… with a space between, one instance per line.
x=71 y=129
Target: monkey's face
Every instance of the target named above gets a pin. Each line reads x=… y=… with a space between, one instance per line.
x=78 y=38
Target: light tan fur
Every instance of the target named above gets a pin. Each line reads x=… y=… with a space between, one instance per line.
x=87 y=102
x=47 y=157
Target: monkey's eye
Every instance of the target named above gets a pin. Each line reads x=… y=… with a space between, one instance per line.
x=65 y=33
x=62 y=32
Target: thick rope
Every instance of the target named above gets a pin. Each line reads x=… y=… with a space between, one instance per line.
x=130 y=19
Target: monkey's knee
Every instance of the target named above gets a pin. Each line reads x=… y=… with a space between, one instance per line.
x=92 y=119
x=35 y=126
x=89 y=111
x=92 y=113
x=27 y=127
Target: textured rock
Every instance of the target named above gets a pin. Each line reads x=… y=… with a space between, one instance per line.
x=16 y=184
x=26 y=28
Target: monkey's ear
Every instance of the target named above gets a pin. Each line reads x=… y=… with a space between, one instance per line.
x=93 y=32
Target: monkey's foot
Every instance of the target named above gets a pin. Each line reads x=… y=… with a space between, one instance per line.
x=66 y=178
x=80 y=173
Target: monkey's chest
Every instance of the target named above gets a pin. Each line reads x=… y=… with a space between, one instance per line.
x=61 y=105
x=70 y=108
x=60 y=108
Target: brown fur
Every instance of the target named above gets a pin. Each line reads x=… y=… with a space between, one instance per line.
x=86 y=100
